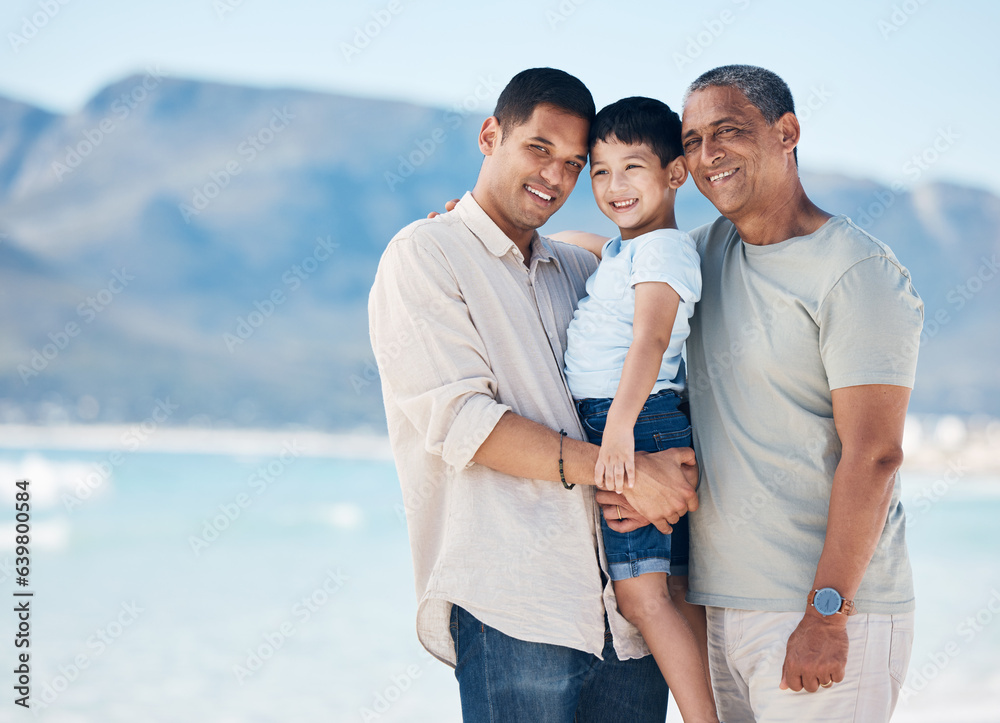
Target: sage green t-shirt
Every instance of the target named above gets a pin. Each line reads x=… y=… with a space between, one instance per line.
x=776 y=329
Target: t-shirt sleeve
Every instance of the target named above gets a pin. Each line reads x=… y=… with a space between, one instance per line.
x=869 y=326
x=670 y=259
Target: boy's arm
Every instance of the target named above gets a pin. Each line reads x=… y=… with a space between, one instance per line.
x=594 y=243
x=656 y=306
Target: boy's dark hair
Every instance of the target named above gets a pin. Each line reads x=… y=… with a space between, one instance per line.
x=640 y=120
x=535 y=86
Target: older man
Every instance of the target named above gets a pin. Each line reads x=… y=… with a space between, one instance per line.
x=799 y=383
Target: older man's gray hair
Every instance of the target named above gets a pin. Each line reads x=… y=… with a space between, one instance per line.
x=765 y=90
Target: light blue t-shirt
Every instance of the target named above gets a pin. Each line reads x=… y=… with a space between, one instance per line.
x=600 y=334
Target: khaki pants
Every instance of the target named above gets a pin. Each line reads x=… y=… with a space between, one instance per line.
x=747 y=649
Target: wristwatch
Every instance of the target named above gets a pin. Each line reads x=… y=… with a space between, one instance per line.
x=828 y=601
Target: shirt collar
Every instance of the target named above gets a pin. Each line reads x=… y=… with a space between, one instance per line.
x=495 y=240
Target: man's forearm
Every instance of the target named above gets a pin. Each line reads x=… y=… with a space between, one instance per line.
x=859 y=504
x=665 y=481
x=522 y=448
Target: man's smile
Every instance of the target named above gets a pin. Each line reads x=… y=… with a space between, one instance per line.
x=540 y=194
x=721 y=175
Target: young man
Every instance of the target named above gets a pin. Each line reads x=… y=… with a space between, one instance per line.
x=468 y=318
x=799 y=380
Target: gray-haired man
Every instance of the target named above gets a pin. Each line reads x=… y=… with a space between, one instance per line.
x=798 y=390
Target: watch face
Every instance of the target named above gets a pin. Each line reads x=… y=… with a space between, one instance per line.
x=827 y=601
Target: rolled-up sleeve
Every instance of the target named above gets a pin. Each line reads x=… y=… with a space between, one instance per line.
x=430 y=355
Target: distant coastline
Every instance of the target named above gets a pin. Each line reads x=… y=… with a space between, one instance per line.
x=186 y=440
x=931 y=444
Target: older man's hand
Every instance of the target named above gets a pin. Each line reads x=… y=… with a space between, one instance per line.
x=664 y=490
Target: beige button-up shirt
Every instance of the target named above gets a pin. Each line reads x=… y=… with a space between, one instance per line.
x=463 y=331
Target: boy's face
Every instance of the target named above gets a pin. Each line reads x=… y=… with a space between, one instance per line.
x=632 y=188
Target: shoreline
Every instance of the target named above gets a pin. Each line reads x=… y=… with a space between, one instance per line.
x=147 y=437
x=974 y=450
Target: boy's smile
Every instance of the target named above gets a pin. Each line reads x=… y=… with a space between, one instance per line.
x=632 y=187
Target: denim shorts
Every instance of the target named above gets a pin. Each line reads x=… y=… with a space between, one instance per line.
x=662 y=424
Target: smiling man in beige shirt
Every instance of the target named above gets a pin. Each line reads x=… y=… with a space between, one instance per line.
x=468 y=318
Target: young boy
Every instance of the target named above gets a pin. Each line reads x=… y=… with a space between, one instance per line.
x=624 y=365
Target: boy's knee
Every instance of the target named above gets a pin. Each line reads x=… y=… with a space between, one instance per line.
x=640 y=608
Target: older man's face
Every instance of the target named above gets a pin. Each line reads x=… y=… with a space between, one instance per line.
x=736 y=159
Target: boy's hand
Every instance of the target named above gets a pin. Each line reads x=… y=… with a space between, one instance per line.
x=449 y=206
x=616 y=462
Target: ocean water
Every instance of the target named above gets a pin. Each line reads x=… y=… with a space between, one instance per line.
x=247 y=588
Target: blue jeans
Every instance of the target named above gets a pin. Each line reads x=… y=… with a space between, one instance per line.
x=661 y=424
x=503 y=679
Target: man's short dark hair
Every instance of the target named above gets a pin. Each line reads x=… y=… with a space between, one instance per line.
x=638 y=120
x=535 y=86
x=765 y=90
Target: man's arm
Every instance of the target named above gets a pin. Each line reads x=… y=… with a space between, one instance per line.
x=665 y=481
x=594 y=243
x=869 y=421
x=435 y=366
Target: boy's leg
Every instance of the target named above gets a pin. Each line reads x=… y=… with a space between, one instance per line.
x=501 y=678
x=677 y=582
x=693 y=614
x=645 y=602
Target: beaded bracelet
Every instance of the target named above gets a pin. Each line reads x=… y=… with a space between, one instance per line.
x=562 y=475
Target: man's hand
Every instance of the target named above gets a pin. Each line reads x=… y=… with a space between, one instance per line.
x=664 y=490
x=450 y=206
x=614 y=505
x=616 y=462
x=816 y=655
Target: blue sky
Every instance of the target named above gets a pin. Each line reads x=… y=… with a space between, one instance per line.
x=899 y=91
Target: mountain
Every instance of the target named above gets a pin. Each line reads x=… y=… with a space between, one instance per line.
x=213 y=245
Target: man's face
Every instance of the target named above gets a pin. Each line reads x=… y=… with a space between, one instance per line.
x=736 y=159
x=534 y=169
